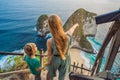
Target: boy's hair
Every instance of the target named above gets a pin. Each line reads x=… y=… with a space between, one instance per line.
x=29 y=48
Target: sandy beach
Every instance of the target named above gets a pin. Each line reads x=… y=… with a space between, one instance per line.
x=75 y=56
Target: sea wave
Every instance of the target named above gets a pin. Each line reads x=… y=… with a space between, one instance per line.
x=5 y=59
x=87 y=61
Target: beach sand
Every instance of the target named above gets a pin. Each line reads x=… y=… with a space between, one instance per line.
x=75 y=57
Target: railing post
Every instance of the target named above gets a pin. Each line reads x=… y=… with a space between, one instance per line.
x=41 y=55
x=76 y=67
x=73 y=66
x=81 y=68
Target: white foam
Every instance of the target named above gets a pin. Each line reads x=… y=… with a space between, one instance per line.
x=87 y=61
x=2 y=61
x=19 y=51
x=4 y=58
x=34 y=29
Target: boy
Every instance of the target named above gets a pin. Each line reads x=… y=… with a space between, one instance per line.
x=33 y=63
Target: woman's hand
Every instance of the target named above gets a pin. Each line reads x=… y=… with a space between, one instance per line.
x=72 y=29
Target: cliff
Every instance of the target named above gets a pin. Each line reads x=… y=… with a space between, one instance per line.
x=86 y=21
x=42 y=25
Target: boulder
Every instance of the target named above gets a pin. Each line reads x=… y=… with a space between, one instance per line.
x=42 y=25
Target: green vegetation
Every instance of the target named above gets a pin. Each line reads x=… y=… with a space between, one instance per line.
x=19 y=63
x=13 y=63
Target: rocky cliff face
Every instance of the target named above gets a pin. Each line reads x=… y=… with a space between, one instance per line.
x=102 y=30
x=86 y=27
x=42 y=25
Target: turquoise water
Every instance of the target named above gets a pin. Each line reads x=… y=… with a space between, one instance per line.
x=97 y=45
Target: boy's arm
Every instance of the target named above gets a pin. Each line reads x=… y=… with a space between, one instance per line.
x=40 y=68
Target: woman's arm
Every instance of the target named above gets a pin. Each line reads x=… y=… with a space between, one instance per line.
x=72 y=29
x=49 y=50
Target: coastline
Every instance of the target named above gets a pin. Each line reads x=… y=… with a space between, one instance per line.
x=78 y=57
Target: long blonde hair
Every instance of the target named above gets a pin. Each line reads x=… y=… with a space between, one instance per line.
x=60 y=37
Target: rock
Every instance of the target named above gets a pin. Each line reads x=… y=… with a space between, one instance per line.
x=83 y=18
x=42 y=25
x=102 y=31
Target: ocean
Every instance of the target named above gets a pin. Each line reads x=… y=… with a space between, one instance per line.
x=18 y=20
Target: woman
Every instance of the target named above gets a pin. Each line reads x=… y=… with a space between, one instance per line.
x=58 y=47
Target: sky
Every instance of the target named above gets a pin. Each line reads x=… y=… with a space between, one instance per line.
x=97 y=6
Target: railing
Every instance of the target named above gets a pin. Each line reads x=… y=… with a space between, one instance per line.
x=13 y=72
x=81 y=68
x=19 y=71
x=21 y=54
x=114 y=35
x=75 y=66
